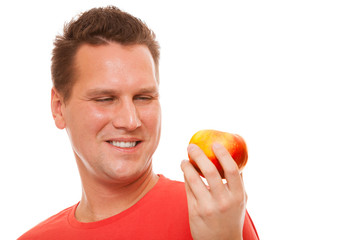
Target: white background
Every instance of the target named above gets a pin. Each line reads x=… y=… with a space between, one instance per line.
x=283 y=74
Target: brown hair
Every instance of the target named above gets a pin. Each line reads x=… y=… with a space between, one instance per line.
x=97 y=26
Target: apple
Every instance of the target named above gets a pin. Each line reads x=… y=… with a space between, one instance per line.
x=234 y=143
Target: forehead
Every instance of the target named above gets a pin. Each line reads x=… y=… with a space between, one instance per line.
x=114 y=63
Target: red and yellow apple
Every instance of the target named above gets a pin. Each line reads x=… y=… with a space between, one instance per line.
x=234 y=143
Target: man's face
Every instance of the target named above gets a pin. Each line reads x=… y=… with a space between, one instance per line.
x=113 y=117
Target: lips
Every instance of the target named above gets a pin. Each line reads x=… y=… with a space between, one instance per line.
x=124 y=144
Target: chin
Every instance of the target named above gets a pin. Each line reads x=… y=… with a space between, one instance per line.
x=128 y=172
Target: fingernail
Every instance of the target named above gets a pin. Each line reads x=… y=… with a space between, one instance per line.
x=182 y=163
x=191 y=147
x=216 y=145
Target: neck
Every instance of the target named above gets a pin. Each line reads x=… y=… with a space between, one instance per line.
x=100 y=201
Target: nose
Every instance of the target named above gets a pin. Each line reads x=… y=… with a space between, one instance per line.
x=126 y=116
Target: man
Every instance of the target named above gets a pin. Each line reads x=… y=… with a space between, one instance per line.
x=105 y=71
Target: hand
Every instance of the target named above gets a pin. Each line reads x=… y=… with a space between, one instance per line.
x=216 y=211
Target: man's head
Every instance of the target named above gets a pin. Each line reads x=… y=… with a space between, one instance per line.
x=109 y=100
x=98 y=26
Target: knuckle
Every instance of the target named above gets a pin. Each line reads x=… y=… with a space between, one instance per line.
x=192 y=179
x=210 y=172
x=241 y=200
x=232 y=172
x=206 y=211
x=224 y=206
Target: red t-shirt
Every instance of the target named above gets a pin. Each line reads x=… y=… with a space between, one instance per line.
x=161 y=214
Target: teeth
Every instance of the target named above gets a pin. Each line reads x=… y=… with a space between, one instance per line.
x=123 y=144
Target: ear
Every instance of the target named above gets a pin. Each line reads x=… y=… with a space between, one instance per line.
x=57 y=104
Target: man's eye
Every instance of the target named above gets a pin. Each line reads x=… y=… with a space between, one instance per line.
x=104 y=99
x=143 y=98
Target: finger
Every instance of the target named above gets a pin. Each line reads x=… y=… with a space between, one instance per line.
x=207 y=168
x=243 y=188
x=196 y=186
x=189 y=193
x=231 y=170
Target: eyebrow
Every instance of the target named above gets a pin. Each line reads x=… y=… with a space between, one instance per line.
x=99 y=91
x=102 y=91
x=149 y=90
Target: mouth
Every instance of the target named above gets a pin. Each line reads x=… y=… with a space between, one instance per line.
x=124 y=144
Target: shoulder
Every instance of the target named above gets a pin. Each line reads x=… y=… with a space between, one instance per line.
x=173 y=187
x=52 y=224
x=167 y=192
x=164 y=181
x=166 y=208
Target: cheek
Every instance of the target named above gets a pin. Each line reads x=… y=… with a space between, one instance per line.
x=86 y=120
x=151 y=117
x=151 y=120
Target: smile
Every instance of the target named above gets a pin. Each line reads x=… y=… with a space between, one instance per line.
x=124 y=144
